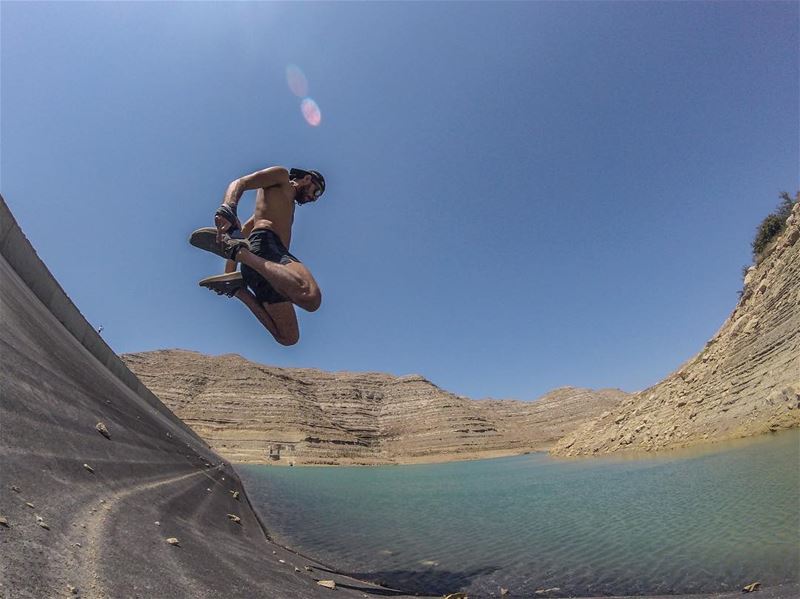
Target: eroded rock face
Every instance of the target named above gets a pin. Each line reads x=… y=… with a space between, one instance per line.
x=745 y=381
x=247 y=411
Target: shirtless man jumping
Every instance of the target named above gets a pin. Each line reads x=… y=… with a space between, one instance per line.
x=272 y=281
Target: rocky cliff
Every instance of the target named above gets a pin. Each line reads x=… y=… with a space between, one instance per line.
x=745 y=381
x=246 y=411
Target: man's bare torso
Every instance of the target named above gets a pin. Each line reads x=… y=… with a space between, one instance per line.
x=275 y=210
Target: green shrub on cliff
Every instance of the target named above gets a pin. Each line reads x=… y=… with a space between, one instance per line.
x=773 y=224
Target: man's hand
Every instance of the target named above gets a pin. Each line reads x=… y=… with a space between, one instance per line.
x=226 y=221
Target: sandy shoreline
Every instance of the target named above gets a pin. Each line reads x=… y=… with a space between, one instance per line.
x=690 y=448
x=409 y=461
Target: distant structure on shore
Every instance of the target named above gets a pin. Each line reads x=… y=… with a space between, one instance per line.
x=275 y=449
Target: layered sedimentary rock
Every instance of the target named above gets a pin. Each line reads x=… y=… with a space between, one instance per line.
x=255 y=413
x=745 y=381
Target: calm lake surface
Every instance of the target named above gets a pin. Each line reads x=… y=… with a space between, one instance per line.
x=684 y=522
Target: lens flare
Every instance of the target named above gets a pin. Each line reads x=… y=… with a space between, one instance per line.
x=297 y=81
x=311 y=112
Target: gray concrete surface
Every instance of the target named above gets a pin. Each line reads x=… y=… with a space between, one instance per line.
x=153 y=479
x=101 y=535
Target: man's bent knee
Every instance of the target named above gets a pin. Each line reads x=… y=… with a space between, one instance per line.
x=287 y=341
x=288 y=338
x=311 y=302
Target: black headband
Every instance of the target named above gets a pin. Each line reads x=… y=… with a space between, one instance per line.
x=299 y=173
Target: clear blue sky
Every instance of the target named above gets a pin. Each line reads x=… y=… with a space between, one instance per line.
x=520 y=196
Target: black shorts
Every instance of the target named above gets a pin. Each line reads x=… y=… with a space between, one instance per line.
x=266 y=244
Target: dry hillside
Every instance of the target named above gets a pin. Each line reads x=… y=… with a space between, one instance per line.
x=745 y=381
x=242 y=409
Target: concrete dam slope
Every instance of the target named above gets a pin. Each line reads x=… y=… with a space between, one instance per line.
x=96 y=474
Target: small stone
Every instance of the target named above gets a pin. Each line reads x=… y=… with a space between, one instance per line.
x=456 y=596
x=328 y=584
x=235 y=518
x=4 y=522
x=43 y=525
x=429 y=562
x=503 y=592
x=173 y=541
x=235 y=494
x=102 y=501
x=308 y=568
x=207 y=489
x=15 y=488
x=78 y=545
x=101 y=428
x=89 y=468
x=72 y=589
x=281 y=561
x=274 y=553
x=29 y=504
x=750 y=588
x=157 y=523
x=296 y=569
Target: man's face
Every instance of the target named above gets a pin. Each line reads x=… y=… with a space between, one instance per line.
x=307 y=190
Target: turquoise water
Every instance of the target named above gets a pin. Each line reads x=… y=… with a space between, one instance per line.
x=681 y=523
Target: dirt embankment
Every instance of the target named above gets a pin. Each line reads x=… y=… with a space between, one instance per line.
x=744 y=382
